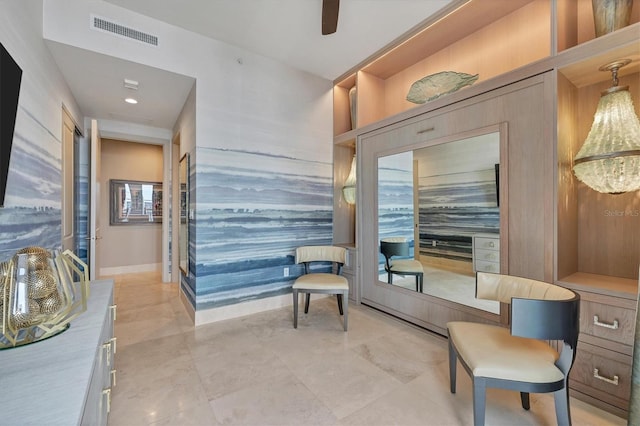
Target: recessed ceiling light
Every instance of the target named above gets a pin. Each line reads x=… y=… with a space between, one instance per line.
x=131 y=101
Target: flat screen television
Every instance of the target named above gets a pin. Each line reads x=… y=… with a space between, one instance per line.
x=10 y=78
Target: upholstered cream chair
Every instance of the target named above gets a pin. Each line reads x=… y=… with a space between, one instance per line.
x=519 y=358
x=321 y=282
x=399 y=246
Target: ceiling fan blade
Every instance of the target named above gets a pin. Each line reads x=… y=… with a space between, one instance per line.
x=330 y=16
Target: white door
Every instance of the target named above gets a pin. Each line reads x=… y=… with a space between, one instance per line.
x=94 y=202
x=68 y=183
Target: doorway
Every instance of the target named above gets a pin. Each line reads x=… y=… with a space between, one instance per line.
x=142 y=158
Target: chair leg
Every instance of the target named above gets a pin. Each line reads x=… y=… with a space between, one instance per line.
x=295 y=308
x=306 y=303
x=389 y=277
x=339 y=297
x=453 y=359
x=346 y=310
x=479 y=401
x=421 y=282
x=417 y=282
x=563 y=411
x=524 y=398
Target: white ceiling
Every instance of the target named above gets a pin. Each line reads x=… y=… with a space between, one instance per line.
x=286 y=30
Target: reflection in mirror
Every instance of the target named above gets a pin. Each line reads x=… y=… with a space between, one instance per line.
x=183 y=237
x=134 y=202
x=441 y=199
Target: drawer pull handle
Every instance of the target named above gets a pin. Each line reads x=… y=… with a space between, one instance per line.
x=113 y=343
x=107 y=392
x=107 y=350
x=430 y=129
x=613 y=381
x=113 y=311
x=491 y=244
x=113 y=378
x=596 y=321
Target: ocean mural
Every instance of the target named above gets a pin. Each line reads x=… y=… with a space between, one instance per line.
x=253 y=209
x=32 y=214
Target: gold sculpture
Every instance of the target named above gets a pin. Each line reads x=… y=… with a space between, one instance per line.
x=40 y=293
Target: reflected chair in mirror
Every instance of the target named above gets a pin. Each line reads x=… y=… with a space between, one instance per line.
x=520 y=357
x=314 y=257
x=397 y=246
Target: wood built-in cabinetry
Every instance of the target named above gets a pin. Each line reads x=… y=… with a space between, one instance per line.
x=584 y=240
x=598 y=235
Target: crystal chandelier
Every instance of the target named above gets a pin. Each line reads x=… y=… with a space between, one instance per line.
x=609 y=160
x=349 y=188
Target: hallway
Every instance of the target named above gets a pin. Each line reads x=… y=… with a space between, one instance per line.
x=259 y=370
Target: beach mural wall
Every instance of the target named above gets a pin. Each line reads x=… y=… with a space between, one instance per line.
x=253 y=209
x=31 y=216
x=32 y=210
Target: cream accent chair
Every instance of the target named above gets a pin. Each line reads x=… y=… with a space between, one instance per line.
x=321 y=282
x=399 y=246
x=518 y=358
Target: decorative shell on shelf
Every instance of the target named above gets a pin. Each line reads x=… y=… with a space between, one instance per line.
x=439 y=84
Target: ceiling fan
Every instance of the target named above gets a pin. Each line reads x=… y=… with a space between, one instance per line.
x=330 y=16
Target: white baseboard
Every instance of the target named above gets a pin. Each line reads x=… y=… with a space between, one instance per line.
x=247 y=308
x=131 y=269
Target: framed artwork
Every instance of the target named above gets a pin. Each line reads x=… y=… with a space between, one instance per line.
x=135 y=202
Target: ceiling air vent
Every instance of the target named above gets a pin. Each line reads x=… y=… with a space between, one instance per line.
x=102 y=24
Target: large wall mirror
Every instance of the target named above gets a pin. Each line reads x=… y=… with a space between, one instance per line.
x=183 y=233
x=434 y=202
x=439 y=198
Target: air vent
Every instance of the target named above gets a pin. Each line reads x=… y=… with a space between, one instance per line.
x=102 y=24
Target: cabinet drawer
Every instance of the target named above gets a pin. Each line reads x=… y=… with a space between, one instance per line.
x=606 y=372
x=484 y=266
x=487 y=243
x=607 y=321
x=487 y=255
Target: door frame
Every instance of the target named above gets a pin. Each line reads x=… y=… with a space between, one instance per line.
x=132 y=132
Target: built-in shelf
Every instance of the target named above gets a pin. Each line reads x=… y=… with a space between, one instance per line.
x=604 y=284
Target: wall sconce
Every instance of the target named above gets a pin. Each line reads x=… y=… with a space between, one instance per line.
x=349 y=188
x=609 y=160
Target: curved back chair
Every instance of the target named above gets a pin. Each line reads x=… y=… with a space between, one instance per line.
x=518 y=358
x=321 y=282
x=390 y=247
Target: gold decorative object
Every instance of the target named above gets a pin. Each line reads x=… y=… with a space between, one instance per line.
x=40 y=293
x=609 y=160
x=439 y=84
x=611 y=15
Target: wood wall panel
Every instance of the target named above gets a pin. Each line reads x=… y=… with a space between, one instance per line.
x=486 y=52
x=567 y=207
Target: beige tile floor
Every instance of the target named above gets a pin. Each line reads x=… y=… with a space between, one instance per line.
x=258 y=370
